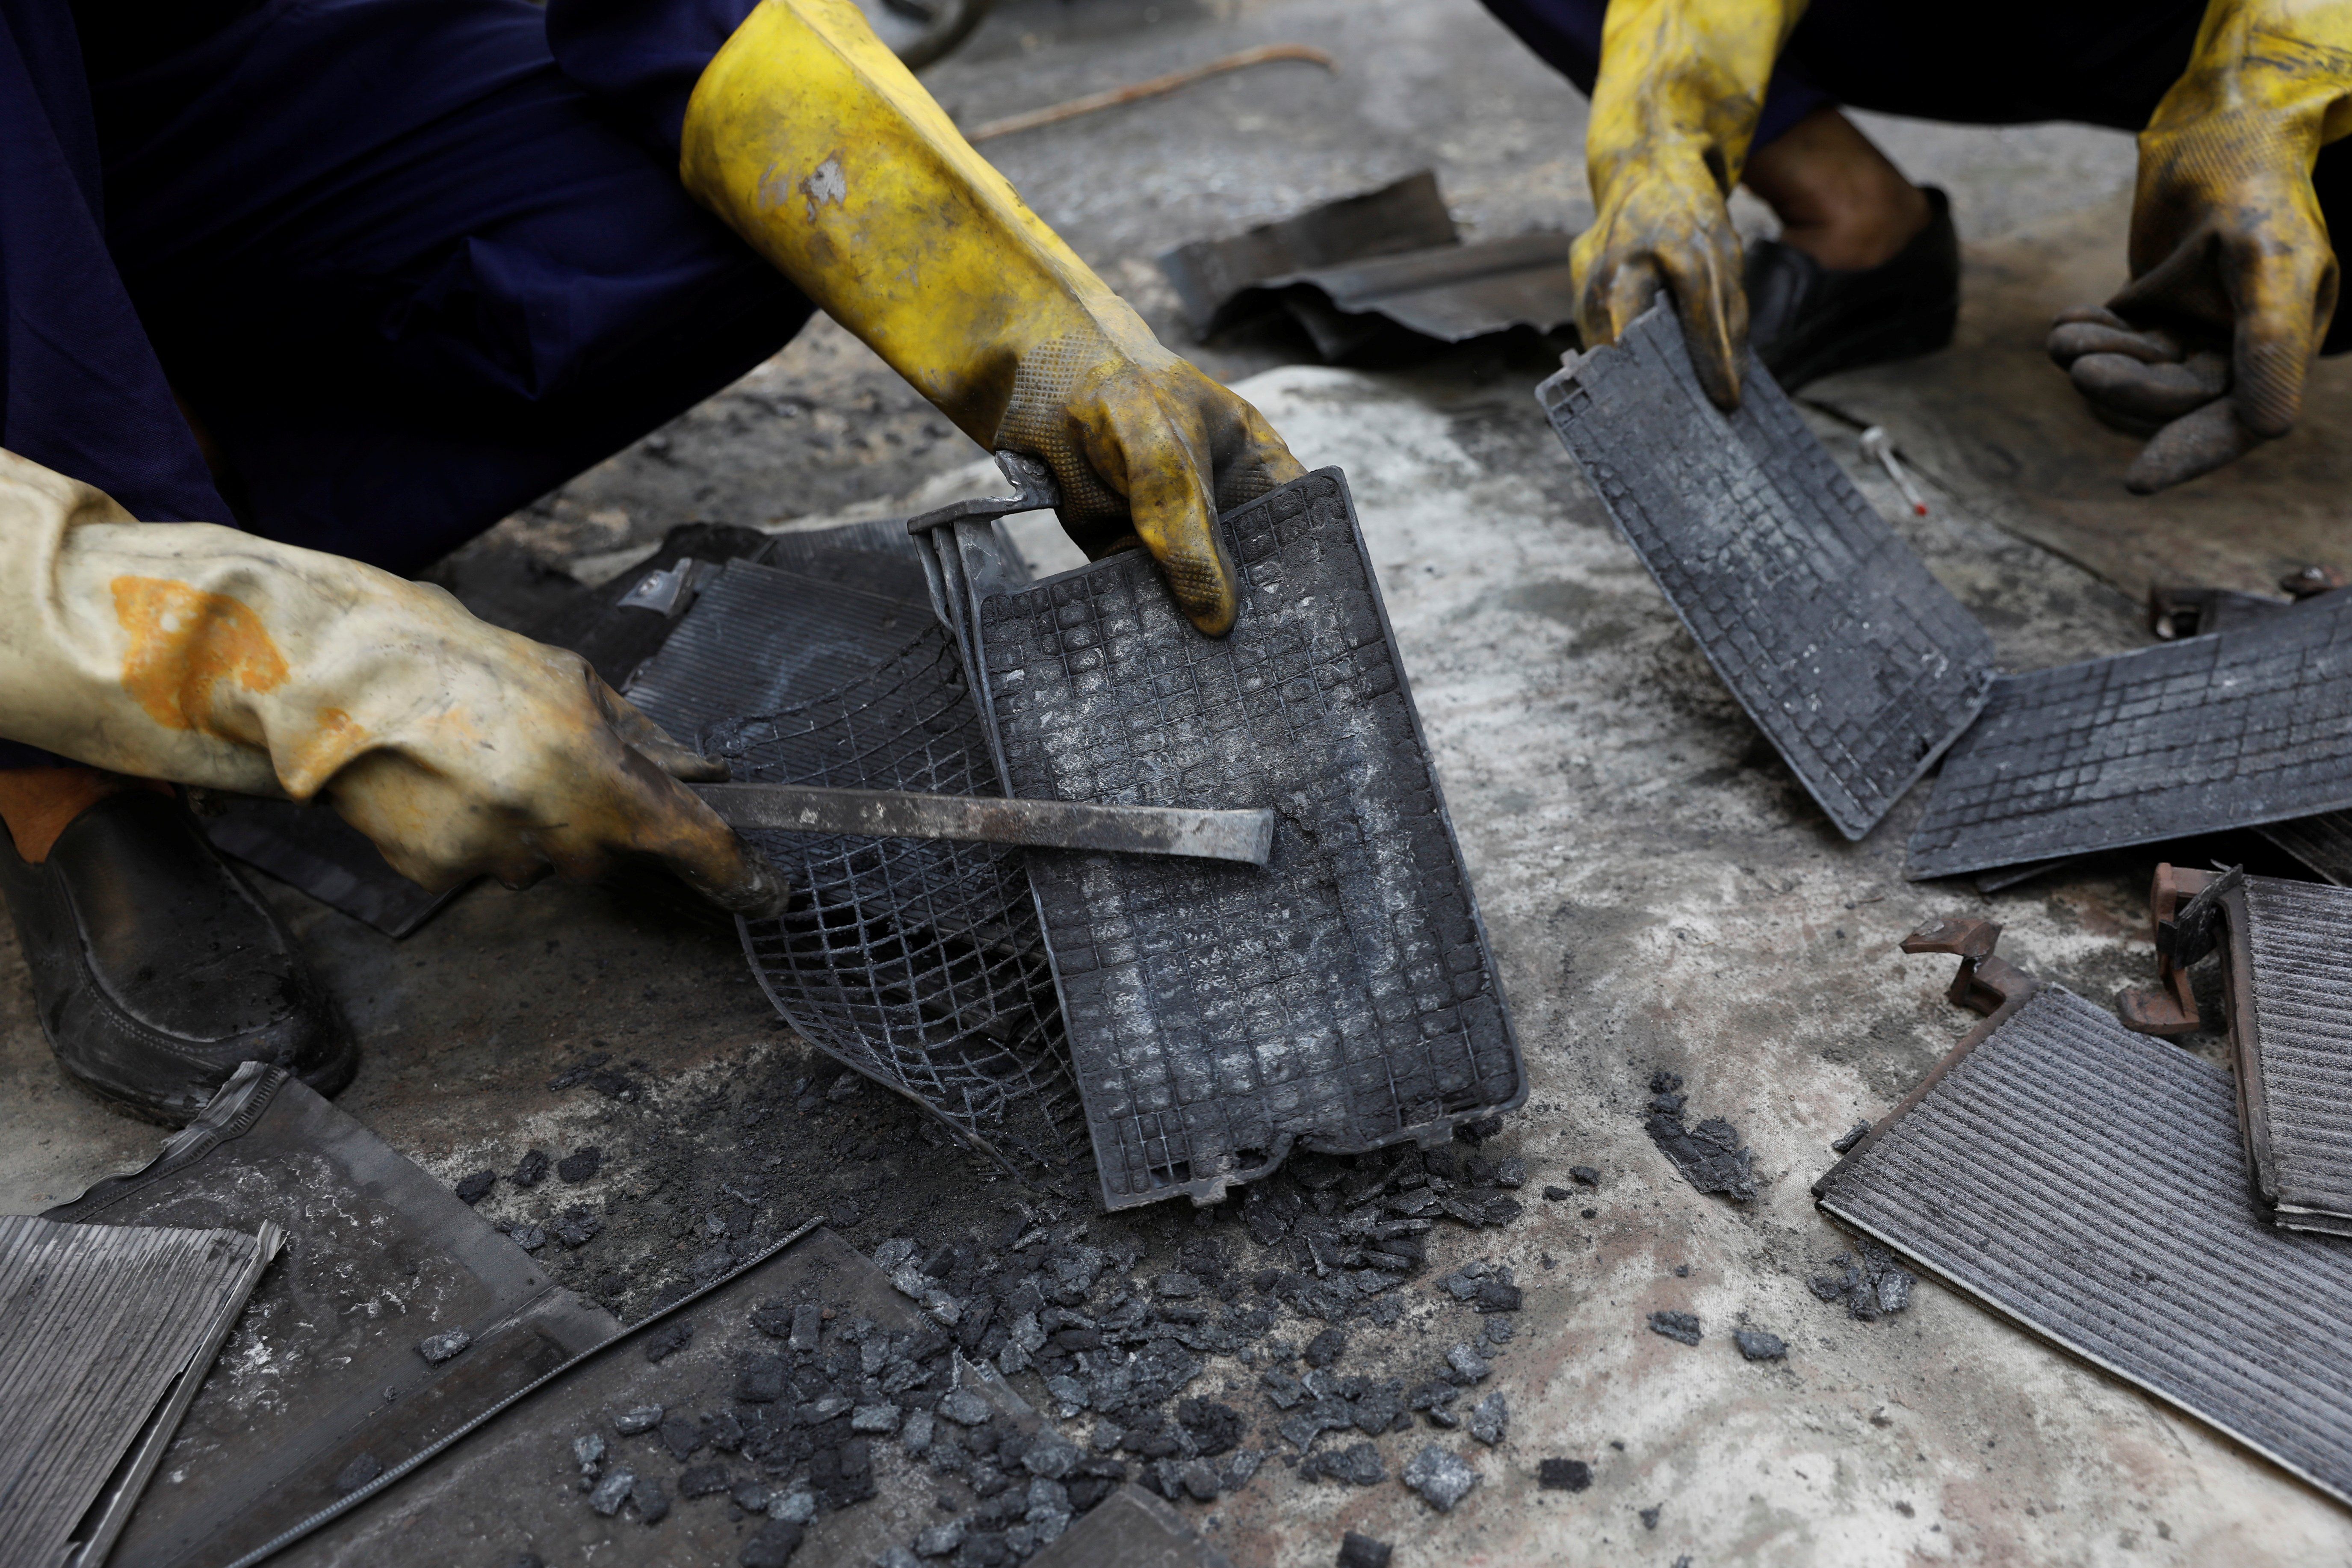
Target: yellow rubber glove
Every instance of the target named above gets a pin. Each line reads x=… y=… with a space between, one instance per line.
x=2233 y=281
x=809 y=138
x=1674 y=109
x=201 y=655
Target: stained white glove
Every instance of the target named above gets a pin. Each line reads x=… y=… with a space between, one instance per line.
x=205 y=656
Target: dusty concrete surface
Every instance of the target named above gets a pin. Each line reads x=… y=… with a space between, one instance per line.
x=1661 y=894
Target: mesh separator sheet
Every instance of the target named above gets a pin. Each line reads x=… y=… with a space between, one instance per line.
x=1853 y=661
x=2088 y=1183
x=920 y=964
x=1343 y=997
x=2294 y=962
x=2243 y=727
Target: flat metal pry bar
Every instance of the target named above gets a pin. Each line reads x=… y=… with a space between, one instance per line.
x=1243 y=836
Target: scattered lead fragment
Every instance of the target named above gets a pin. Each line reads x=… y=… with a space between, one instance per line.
x=1442 y=1479
x=1585 y=1175
x=1363 y=1551
x=1357 y=1464
x=612 y=1490
x=577 y=1228
x=438 y=1348
x=637 y=1419
x=581 y=1163
x=1650 y=1515
x=773 y=1546
x=898 y=1557
x=761 y=1382
x=702 y=1480
x=663 y=1343
x=1466 y=1366
x=915 y=1432
x=877 y=1419
x=965 y=1408
x=795 y=1507
x=1564 y=1475
x=473 y=1189
x=1682 y=1326
x=1557 y=1195
x=530 y=1237
x=653 y=1503
x=1490 y=1418
x=1511 y=1173
x=1851 y=1136
x=533 y=1170
x=363 y=1470
x=939 y=1540
x=1326 y=1348
x=1757 y=1346
x=589 y=1450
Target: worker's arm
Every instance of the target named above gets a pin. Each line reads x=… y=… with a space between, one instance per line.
x=2233 y=280
x=815 y=144
x=201 y=655
x=1681 y=85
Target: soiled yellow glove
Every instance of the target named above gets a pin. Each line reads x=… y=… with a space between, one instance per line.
x=2233 y=281
x=201 y=655
x=809 y=138
x=1681 y=85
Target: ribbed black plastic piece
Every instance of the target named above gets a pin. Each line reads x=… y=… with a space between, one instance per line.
x=1342 y=997
x=1857 y=665
x=2088 y=1183
x=2290 y=988
x=2248 y=726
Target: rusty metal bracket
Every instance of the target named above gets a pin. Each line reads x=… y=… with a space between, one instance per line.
x=1986 y=983
x=2184 y=910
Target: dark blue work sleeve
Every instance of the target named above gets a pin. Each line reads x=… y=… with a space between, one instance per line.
x=81 y=390
x=641 y=59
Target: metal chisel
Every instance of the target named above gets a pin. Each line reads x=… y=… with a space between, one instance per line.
x=1243 y=836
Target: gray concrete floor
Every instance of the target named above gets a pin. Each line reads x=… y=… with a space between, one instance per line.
x=1660 y=892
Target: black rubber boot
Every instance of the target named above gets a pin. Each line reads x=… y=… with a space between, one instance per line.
x=1807 y=321
x=156 y=970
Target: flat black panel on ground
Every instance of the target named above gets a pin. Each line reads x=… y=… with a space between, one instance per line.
x=2247 y=726
x=1343 y=997
x=1855 y=663
x=2088 y=1183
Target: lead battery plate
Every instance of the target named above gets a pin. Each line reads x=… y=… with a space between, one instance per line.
x=1343 y=997
x=1857 y=665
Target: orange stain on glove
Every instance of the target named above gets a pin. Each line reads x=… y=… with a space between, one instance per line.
x=185 y=642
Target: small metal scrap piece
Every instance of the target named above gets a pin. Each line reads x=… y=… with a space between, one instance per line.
x=671 y=592
x=1242 y=835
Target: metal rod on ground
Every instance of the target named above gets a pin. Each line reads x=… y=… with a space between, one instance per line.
x=1058 y=112
x=1243 y=836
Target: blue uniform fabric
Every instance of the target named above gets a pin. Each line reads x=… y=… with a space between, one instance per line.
x=2099 y=62
x=411 y=263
